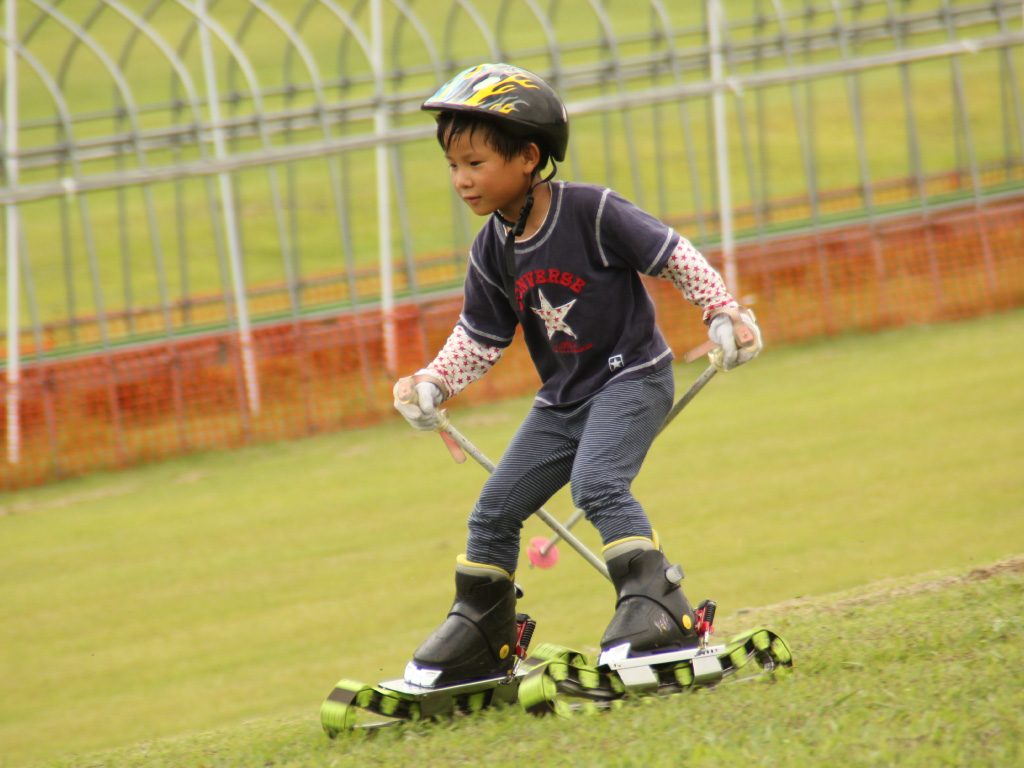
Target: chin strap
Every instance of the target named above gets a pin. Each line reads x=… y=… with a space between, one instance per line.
x=508 y=272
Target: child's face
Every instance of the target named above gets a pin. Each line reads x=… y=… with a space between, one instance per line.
x=484 y=179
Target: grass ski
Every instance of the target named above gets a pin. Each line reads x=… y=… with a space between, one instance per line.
x=563 y=681
x=352 y=705
x=559 y=680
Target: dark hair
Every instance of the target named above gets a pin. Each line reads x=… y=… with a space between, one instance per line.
x=452 y=124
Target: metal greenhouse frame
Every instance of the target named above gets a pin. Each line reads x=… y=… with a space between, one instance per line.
x=175 y=168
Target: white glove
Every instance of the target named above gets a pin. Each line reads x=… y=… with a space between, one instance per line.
x=417 y=401
x=736 y=333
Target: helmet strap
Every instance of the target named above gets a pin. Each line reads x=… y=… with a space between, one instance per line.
x=517 y=228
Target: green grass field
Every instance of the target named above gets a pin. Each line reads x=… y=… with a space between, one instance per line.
x=196 y=612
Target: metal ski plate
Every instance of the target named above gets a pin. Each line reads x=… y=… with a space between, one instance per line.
x=418 y=691
x=707 y=668
x=656 y=659
x=353 y=705
x=438 y=701
x=640 y=673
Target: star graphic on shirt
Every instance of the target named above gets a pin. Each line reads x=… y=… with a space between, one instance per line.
x=554 y=317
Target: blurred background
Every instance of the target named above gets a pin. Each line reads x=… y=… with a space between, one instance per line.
x=228 y=222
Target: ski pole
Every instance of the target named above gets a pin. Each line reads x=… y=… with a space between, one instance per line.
x=714 y=353
x=688 y=395
x=541 y=554
x=459 y=442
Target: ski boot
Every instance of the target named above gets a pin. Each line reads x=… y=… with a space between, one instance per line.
x=474 y=660
x=478 y=638
x=655 y=644
x=654 y=629
x=651 y=614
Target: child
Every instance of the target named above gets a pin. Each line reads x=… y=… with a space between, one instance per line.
x=563 y=260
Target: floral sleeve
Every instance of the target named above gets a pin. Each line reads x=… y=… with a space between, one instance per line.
x=461 y=361
x=700 y=283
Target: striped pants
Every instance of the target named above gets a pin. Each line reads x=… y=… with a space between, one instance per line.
x=597 y=447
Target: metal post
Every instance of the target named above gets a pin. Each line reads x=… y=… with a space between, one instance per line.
x=13 y=233
x=730 y=272
x=227 y=200
x=380 y=124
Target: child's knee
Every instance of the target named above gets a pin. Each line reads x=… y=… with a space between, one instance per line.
x=596 y=491
x=486 y=522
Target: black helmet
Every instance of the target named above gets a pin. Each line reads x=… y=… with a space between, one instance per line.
x=518 y=99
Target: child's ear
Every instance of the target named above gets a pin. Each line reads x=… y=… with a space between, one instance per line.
x=531 y=156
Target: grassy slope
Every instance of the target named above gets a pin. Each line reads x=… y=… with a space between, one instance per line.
x=201 y=592
x=924 y=672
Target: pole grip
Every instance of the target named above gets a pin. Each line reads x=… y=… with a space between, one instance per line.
x=453 y=447
x=744 y=336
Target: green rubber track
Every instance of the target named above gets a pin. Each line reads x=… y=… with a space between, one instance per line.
x=564 y=682
x=341 y=709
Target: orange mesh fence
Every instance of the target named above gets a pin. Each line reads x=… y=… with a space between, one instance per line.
x=127 y=406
